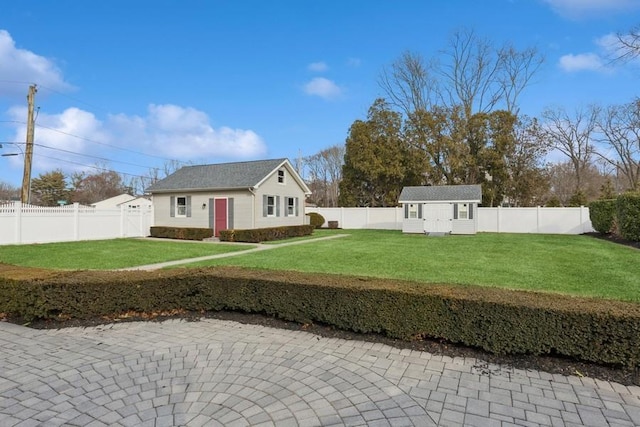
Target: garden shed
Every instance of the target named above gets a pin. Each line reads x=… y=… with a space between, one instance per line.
x=442 y=209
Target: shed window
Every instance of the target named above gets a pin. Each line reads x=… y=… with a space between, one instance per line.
x=463 y=211
x=281 y=176
x=413 y=211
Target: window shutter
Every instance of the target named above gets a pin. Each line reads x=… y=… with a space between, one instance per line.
x=188 y=206
x=406 y=210
x=230 y=213
x=455 y=211
x=297 y=207
x=286 y=206
x=172 y=208
x=420 y=210
x=277 y=205
x=470 y=210
x=264 y=205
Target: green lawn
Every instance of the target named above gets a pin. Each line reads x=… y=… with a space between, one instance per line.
x=107 y=254
x=578 y=265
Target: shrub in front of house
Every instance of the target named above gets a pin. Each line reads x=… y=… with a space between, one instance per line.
x=628 y=216
x=258 y=235
x=602 y=214
x=182 y=233
x=315 y=219
x=497 y=320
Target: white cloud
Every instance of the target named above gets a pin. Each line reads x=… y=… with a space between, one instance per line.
x=57 y=136
x=576 y=9
x=168 y=131
x=20 y=65
x=186 y=134
x=318 y=67
x=324 y=88
x=581 y=62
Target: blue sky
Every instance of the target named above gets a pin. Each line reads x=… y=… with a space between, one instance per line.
x=131 y=84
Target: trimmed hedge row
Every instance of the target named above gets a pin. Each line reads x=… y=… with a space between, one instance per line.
x=258 y=235
x=602 y=214
x=182 y=233
x=628 y=216
x=499 y=321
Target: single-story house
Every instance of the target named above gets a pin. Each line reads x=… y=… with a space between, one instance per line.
x=126 y=200
x=242 y=195
x=441 y=209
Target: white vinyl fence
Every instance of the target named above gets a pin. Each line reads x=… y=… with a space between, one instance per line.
x=36 y=224
x=494 y=220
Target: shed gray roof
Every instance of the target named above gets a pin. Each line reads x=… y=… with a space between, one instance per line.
x=441 y=193
x=218 y=176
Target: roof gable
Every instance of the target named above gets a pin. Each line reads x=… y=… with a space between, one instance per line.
x=441 y=193
x=222 y=176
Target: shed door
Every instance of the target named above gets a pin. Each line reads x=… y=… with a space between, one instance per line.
x=220 y=216
x=438 y=217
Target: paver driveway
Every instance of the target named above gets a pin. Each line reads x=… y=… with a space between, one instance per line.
x=215 y=372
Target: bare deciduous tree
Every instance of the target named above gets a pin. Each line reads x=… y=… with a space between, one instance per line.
x=325 y=173
x=620 y=128
x=8 y=192
x=628 y=47
x=573 y=137
x=409 y=84
x=470 y=72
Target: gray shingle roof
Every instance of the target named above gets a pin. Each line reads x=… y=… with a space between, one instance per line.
x=441 y=193
x=217 y=177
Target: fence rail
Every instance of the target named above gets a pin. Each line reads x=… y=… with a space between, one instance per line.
x=495 y=220
x=38 y=224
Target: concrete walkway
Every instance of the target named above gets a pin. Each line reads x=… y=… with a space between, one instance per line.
x=222 y=373
x=258 y=248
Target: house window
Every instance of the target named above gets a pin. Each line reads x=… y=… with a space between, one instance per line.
x=291 y=206
x=280 y=177
x=463 y=211
x=181 y=206
x=413 y=211
x=271 y=205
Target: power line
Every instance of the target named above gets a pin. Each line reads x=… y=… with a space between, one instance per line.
x=91 y=156
x=91 y=166
x=109 y=145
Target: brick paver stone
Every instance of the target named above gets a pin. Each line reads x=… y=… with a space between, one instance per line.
x=214 y=372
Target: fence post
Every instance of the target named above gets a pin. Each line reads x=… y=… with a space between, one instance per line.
x=122 y=221
x=18 y=213
x=342 y=217
x=366 y=218
x=537 y=219
x=76 y=221
x=498 y=219
x=141 y=222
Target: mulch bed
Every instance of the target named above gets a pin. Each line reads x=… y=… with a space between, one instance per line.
x=551 y=364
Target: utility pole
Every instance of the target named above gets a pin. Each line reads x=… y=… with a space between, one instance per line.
x=25 y=195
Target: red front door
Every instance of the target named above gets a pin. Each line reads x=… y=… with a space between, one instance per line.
x=219 y=216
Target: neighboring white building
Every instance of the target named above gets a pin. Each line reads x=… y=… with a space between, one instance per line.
x=448 y=209
x=123 y=199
